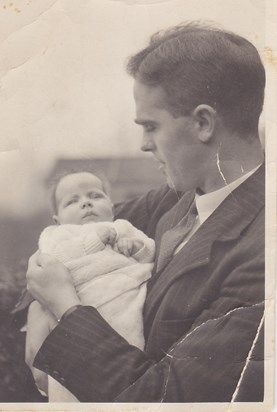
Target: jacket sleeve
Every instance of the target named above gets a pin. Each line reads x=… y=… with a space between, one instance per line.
x=97 y=365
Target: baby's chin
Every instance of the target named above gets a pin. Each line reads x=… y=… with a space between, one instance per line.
x=90 y=219
x=95 y=218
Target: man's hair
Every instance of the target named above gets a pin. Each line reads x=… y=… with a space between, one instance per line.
x=54 y=182
x=201 y=64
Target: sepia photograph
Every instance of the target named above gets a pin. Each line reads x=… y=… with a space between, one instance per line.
x=138 y=207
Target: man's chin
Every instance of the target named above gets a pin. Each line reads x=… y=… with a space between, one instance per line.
x=170 y=182
x=175 y=186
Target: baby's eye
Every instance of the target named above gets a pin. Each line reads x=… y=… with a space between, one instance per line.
x=70 y=202
x=95 y=195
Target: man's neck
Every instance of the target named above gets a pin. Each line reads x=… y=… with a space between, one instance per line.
x=232 y=162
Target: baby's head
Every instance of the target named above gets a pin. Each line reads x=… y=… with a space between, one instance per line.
x=79 y=198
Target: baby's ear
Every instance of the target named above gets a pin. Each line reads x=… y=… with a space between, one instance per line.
x=56 y=219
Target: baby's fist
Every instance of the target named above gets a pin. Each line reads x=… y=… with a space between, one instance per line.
x=129 y=246
x=107 y=235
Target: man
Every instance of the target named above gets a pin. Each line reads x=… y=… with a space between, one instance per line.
x=199 y=94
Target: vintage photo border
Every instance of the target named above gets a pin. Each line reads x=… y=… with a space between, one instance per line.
x=270 y=59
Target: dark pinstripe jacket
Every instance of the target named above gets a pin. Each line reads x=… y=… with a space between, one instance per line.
x=201 y=315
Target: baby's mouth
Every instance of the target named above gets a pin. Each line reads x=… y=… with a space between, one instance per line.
x=88 y=214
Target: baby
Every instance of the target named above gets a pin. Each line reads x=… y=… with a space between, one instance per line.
x=109 y=261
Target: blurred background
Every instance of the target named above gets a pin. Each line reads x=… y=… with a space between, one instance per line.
x=65 y=100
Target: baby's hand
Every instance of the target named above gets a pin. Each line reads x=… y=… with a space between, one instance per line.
x=107 y=235
x=129 y=246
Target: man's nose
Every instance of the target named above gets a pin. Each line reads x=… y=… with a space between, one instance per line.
x=147 y=144
x=86 y=203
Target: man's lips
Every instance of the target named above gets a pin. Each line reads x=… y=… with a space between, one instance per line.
x=160 y=162
x=161 y=165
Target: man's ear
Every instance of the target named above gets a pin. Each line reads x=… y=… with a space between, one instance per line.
x=56 y=220
x=205 y=117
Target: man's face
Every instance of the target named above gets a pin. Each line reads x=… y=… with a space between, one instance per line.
x=80 y=199
x=172 y=140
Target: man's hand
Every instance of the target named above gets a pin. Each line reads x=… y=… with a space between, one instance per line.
x=50 y=283
x=107 y=235
x=129 y=246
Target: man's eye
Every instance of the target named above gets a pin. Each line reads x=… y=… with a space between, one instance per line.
x=148 y=128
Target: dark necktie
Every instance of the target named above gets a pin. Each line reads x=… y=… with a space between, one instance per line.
x=173 y=237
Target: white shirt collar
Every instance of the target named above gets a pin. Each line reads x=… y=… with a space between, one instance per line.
x=207 y=203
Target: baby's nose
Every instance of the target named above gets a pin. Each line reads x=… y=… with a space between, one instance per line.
x=86 y=203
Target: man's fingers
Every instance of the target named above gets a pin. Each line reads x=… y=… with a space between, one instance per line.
x=43 y=259
x=40 y=259
x=37 y=262
x=33 y=259
x=33 y=267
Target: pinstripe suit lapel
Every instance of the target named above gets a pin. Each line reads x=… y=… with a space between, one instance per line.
x=227 y=222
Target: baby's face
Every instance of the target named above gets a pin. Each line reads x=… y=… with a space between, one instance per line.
x=80 y=199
